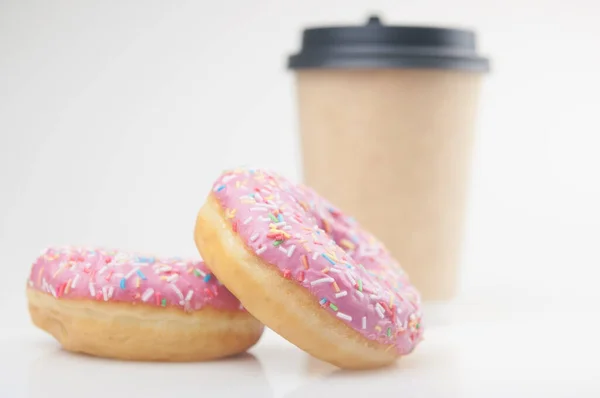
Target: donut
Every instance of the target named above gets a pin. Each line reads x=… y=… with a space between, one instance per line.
x=307 y=271
x=129 y=306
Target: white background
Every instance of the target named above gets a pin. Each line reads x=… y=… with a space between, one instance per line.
x=115 y=117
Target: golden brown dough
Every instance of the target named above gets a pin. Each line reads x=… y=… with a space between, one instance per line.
x=141 y=332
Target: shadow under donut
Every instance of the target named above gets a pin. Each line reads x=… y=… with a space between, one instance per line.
x=65 y=374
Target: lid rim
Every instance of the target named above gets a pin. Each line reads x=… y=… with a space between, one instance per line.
x=476 y=64
x=378 y=46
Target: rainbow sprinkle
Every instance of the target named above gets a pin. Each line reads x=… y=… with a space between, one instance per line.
x=328 y=259
x=304 y=261
x=336 y=287
x=141 y=275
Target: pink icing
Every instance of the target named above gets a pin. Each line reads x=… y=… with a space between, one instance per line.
x=111 y=275
x=349 y=272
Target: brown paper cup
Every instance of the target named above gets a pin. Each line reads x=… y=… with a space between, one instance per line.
x=392 y=147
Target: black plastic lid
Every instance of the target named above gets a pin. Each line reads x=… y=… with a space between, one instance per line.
x=376 y=46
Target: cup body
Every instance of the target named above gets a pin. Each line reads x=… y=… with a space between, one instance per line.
x=393 y=147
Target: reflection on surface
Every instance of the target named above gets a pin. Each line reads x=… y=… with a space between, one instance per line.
x=61 y=373
x=429 y=372
x=316 y=367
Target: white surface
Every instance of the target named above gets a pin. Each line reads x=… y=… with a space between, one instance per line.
x=498 y=348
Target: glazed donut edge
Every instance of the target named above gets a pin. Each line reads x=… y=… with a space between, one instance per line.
x=286 y=308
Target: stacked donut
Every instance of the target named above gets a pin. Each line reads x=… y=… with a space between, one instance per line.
x=276 y=254
x=130 y=306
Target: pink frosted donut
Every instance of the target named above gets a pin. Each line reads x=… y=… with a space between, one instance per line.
x=307 y=271
x=131 y=306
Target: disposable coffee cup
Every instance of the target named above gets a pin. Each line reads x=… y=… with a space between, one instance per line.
x=386 y=123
